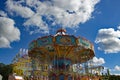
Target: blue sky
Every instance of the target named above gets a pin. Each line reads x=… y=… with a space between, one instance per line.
x=22 y=21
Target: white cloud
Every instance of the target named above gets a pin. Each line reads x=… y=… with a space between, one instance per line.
x=117 y=68
x=8 y=33
x=108 y=40
x=36 y=21
x=118 y=27
x=67 y=13
x=98 y=61
x=19 y=9
x=3 y=14
x=117 y=74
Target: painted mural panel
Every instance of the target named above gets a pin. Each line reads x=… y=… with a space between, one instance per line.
x=84 y=42
x=65 y=40
x=44 y=41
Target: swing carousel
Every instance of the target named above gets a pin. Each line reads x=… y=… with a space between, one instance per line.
x=54 y=56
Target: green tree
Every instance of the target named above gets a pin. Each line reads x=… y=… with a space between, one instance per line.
x=5 y=70
x=114 y=77
x=108 y=72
